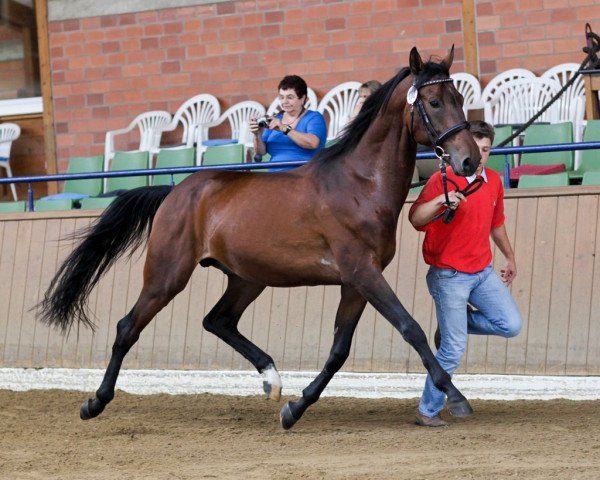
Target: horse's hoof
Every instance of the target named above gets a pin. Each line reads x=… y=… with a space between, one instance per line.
x=90 y=409
x=84 y=410
x=460 y=409
x=286 y=418
x=273 y=391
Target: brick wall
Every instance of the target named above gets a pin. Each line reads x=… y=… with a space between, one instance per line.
x=106 y=70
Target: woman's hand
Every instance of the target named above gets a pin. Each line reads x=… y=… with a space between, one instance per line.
x=277 y=124
x=254 y=128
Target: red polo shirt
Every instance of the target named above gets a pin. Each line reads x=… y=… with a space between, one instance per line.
x=464 y=243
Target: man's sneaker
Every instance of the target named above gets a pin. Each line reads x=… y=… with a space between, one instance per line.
x=425 y=421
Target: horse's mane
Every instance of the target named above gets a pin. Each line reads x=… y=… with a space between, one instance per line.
x=376 y=102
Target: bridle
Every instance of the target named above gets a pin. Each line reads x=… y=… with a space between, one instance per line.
x=413 y=99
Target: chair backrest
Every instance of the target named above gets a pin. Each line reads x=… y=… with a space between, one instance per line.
x=224 y=154
x=337 y=106
x=13 y=207
x=198 y=112
x=551 y=180
x=489 y=91
x=570 y=103
x=9 y=132
x=128 y=161
x=590 y=159
x=174 y=157
x=150 y=126
x=93 y=203
x=239 y=115
x=311 y=102
x=543 y=134
x=91 y=186
x=515 y=102
x=469 y=87
x=496 y=162
x=53 y=205
x=591 y=178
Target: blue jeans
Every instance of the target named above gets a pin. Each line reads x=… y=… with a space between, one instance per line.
x=497 y=315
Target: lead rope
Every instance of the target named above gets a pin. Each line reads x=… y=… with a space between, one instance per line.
x=470 y=189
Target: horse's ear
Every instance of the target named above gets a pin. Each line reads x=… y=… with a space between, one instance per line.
x=415 y=61
x=449 y=58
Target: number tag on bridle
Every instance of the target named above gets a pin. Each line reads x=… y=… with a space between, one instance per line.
x=411 y=95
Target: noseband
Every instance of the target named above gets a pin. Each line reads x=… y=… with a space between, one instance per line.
x=412 y=98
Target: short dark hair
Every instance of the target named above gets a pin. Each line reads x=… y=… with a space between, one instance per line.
x=294 y=82
x=481 y=129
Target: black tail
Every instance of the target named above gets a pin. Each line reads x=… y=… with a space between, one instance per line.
x=120 y=228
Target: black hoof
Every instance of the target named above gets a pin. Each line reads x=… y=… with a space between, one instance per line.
x=87 y=409
x=460 y=409
x=286 y=418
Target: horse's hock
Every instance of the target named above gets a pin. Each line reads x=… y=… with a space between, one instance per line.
x=556 y=236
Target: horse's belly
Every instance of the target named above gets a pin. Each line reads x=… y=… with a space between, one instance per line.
x=280 y=267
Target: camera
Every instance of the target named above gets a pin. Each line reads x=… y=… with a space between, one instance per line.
x=263 y=122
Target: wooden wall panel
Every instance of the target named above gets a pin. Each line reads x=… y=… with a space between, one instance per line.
x=556 y=240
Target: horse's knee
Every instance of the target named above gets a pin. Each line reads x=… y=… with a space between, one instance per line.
x=412 y=332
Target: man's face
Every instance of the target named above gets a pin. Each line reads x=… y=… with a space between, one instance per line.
x=485 y=145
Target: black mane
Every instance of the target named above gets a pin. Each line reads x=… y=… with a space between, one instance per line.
x=376 y=102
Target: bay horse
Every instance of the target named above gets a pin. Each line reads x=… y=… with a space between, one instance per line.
x=331 y=221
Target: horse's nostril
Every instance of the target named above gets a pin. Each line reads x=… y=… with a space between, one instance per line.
x=466 y=164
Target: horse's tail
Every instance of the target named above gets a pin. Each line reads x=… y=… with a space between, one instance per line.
x=120 y=228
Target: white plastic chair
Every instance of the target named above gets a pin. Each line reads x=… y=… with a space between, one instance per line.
x=469 y=87
x=572 y=102
x=196 y=113
x=9 y=132
x=517 y=101
x=238 y=116
x=150 y=125
x=311 y=102
x=337 y=106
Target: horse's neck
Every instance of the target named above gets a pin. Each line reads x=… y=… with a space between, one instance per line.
x=386 y=155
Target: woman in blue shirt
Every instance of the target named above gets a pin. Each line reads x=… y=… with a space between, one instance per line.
x=294 y=133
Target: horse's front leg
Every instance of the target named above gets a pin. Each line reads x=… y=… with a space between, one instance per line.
x=372 y=285
x=349 y=311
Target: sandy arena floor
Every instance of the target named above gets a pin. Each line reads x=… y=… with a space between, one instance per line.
x=222 y=437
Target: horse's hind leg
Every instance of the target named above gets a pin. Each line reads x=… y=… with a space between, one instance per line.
x=349 y=311
x=223 y=320
x=159 y=288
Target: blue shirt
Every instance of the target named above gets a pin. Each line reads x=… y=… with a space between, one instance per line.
x=284 y=149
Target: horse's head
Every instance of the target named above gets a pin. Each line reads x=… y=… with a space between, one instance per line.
x=436 y=116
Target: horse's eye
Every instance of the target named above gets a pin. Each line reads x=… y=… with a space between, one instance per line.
x=434 y=103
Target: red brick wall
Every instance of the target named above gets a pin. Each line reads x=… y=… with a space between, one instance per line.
x=106 y=70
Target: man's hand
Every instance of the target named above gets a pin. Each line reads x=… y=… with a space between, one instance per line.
x=509 y=272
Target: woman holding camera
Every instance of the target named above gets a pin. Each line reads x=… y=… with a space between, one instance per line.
x=294 y=133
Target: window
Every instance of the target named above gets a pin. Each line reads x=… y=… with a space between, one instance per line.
x=19 y=63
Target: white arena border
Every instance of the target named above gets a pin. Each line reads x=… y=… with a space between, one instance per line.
x=344 y=384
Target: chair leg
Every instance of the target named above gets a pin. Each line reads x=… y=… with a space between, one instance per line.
x=12 y=185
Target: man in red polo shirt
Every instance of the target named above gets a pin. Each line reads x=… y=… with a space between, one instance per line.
x=469 y=296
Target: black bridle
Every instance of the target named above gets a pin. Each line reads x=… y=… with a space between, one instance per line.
x=413 y=99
